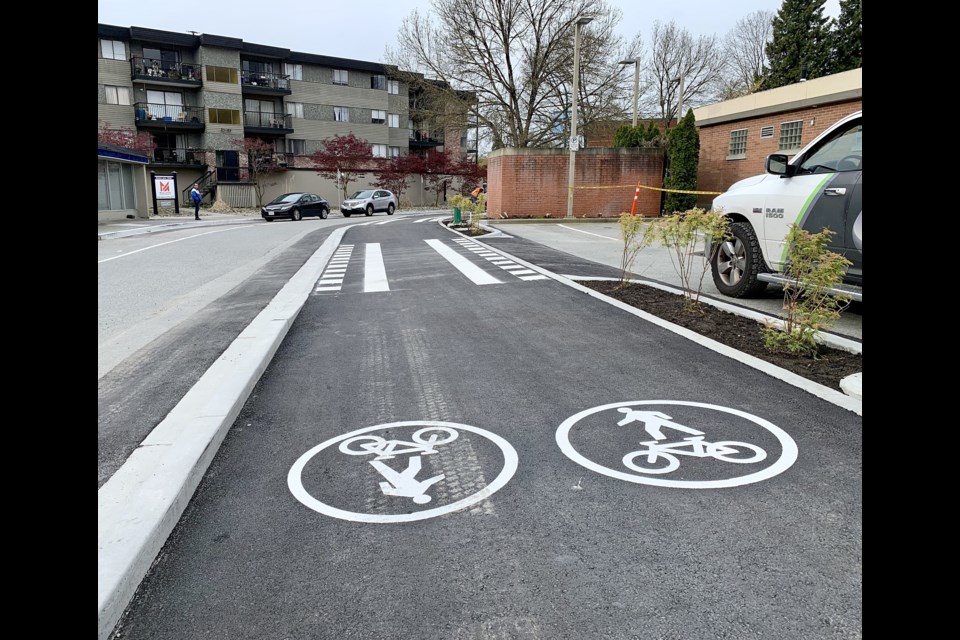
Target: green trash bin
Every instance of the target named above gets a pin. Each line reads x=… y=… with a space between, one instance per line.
x=456 y=215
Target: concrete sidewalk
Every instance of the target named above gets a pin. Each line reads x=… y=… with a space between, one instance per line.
x=137 y=226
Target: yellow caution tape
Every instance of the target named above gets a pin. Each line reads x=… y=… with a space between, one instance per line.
x=643 y=186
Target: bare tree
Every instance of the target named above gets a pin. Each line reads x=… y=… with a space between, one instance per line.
x=515 y=57
x=746 y=56
x=676 y=54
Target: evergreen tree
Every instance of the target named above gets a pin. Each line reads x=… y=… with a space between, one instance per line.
x=848 y=36
x=683 y=159
x=801 y=43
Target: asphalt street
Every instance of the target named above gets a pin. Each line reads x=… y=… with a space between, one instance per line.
x=448 y=444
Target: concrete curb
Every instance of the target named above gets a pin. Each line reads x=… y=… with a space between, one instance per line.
x=160 y=477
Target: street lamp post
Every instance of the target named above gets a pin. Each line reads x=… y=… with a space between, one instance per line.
x=574 y=141
x=636 y=84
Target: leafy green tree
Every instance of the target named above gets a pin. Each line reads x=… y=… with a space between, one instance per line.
x=683 y=158
x=848 y=36
x=801 y=43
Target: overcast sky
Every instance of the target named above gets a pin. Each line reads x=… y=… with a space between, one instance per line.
x=360 y=29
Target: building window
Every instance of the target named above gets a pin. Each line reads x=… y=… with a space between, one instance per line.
x=738 y=145
x=113 y=49
x=295 y=71
x=341 y=114
x=222 y=74
x=341 y=76
x=766 y=132
x=117 y=95
x=224 y=116
x=165 y=104
x=378 y=117
x=295 y=109
x=393 y=120
x=790 y=134
x=378 y=82
x=379 y=150
x=394 y=152
x=292 y=146
x=115 y=186
x=393 y=86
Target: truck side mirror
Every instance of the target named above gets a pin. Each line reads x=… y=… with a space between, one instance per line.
x=778 y=164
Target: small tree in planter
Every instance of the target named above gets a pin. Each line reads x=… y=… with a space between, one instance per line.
x=472 y=210
x=637 y=235
x=811 y=271
x=683 y=234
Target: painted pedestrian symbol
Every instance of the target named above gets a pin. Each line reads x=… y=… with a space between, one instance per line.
x=402 y=483
x=670 y=449
x=401 y=462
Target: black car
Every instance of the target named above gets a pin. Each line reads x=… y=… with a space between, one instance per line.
x=295 y=206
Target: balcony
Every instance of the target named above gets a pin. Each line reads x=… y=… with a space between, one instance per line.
x=271 y=84
x=166 y=73
x=423 y=139
x=263 y=123
x=168 y=117
x=178 y=157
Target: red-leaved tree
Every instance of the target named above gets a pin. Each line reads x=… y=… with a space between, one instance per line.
x=345 y=158
x=393 y=173
x=440 y=169
x=127 y=138
x=262 y=167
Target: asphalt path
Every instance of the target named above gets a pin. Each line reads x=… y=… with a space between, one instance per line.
x=430 y=457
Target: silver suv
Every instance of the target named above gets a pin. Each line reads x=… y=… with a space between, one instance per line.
x=369 y=201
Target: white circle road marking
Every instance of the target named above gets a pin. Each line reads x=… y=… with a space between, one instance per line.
x=787 y=458
x=295 y=476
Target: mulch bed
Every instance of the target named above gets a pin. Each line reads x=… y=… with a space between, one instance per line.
x=743 y=334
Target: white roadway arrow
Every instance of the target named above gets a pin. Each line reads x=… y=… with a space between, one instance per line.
x=404 y=484
x=654 y=422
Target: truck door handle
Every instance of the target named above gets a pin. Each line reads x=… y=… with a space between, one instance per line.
x=835 y=191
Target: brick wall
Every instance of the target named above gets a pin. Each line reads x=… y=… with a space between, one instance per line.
x=526 y=183
x=717 y=173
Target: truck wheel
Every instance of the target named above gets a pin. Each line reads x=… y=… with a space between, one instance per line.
x=737 y=262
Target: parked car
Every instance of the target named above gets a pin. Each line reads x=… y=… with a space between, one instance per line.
x=295 y=206
x=820 y=187
x=369 y=201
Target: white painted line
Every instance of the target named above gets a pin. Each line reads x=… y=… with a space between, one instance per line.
x=589 y=233
x=522 y=273
x=330 y=272
x=155 y=246
x=464 y=266
x=330 y=281
x=534 y=278
x=422 y=220
x=441 y=218
x=327 y=289
x=823 y=392
x=374 y=273
x=142 y=502
x=502 y=262
x=384 y=222
x=510 y=267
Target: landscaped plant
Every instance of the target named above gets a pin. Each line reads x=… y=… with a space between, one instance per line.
x=684 y=234
x=472 y=211
x=811 y=270
x=683 y=160
x=635 y=231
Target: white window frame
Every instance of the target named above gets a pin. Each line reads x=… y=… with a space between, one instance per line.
x=393 y=86
x=341 y=114
x=295 y=71
x=737 y=147
x=113 y=45
x=379 y=150
x=300 y=144
x=394 y=152
x=383 y=80
x=393 y=120
x=791 y=134
x=341 y=77
x=378 y=116
x=116 y=91
x=294 y=109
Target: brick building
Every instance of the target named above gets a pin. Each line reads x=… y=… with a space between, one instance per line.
x=736 y=136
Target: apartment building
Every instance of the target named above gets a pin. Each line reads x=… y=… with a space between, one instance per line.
x=196 y=95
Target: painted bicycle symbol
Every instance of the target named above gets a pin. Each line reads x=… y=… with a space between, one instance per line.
x=403 y=484
x=657 y=457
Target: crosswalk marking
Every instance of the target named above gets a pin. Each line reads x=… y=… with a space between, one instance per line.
x=374 y=272
x=497 y=259
x=464 y=266
x=332 y=277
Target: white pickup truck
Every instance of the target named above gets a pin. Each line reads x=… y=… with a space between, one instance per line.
x=821 y=186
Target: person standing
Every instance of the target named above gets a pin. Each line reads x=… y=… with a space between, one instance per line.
x=475 y=194
x=197 y=197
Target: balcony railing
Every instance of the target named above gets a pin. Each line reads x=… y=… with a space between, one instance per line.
x=264 y=120
x=179 y=116
x=179 y=156
x=263 y=80
x=153 y=69
x=426 y=137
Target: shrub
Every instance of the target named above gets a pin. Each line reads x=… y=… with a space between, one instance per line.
x=683 y=158
x=636 y=234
